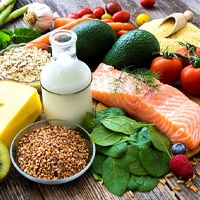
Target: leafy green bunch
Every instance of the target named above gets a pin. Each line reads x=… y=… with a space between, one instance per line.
x=130 y=155
x=19 y=35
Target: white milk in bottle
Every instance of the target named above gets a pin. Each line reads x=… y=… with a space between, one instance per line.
x=66 y=81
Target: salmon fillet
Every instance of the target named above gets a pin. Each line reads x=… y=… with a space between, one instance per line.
x=168 y=108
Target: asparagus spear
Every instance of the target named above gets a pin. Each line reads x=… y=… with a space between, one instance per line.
x=16 y=13
x=4 y=4
x=5 y=13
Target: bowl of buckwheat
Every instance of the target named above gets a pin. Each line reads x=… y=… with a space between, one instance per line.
x=52 y=151
x=21 y=64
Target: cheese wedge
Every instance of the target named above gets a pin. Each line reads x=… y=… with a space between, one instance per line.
x=19 y=106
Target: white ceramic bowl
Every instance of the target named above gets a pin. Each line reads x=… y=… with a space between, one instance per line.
x=43 y=123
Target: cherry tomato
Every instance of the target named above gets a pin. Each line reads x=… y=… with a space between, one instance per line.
x=147 y=3
x=84 y=11
x=106 y=16
x=121 y=16
x=168 y=69
x=142 y=18
x=72 y=16
x=98 y=11
x=190 y=79
x=90 y=16
x=112 y=8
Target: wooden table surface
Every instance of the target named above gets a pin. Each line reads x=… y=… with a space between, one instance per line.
x=86 y=188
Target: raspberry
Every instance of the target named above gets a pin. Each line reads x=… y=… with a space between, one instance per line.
x=181 y=166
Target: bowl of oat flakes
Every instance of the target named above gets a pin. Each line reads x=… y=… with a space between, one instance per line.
x=23 y=65
x=52 y=151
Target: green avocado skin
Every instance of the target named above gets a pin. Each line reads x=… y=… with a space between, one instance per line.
x=135 y=48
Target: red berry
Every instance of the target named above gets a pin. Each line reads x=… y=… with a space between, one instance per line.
x=181 y=166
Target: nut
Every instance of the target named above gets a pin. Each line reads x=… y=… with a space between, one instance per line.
x=52 y=152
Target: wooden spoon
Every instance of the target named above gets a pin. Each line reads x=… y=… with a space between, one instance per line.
x=180 y=21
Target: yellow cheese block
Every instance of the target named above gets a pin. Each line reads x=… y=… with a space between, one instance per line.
x=19 y=106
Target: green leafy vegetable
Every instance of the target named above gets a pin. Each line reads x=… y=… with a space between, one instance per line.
x=19 y=35
x=159 y=140
x=115 y=175
x=115 y=151
x=122 y=124
x=154 y=161
x=97 y=163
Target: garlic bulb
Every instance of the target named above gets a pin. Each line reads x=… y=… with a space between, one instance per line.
x=39 y=17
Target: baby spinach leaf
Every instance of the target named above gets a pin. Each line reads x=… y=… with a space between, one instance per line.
x=146 y=183
x=133 y=160
x=115 y=151
x=132 y=184
x=111 y=111
x=105 y=137
x=88 y=122
x=154 y=161
x=159 y=140
x=122 y=124
x=141 y=137
x=97 y=177
x=115 y=175
x=97 y=163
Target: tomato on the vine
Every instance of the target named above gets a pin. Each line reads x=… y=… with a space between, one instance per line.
x=121 y=16
x=188 y=50
x=147 y=3
x=190 y=80
x=168 y=69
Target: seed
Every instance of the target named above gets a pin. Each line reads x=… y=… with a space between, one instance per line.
x=198 y=172
x=162 y=180
x=176 y=188
x=170 y=175
x=195 y=160
x=131 y=194
x=193 y=188
x=193 y=163
x=180 y=181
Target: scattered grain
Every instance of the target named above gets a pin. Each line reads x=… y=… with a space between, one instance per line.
x=198 y=172
x=131 y=194
x=193 y=188
x=176 y=188
x=162 y=180
x=180 y=181
x=170 y=175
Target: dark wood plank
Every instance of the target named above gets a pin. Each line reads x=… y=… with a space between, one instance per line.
x=86 y=188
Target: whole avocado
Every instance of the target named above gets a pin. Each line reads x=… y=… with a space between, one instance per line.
x=94 y=39
x=135 y=48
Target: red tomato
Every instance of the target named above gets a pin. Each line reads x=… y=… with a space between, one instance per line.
x=184 y=51
x=98 y=11
x=190 y=80
x=147 y=3
x=112 y=8
x=121 y=16
x=168 y=69
x=107 y=20
x=72 y=16
x=84 y=11
x=90 y=16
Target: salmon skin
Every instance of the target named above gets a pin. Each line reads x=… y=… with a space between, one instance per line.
x=173 y=113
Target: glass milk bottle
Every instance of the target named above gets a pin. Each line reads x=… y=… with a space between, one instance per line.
x=66 y=81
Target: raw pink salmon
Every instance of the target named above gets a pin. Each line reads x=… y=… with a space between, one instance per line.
x=173 y=113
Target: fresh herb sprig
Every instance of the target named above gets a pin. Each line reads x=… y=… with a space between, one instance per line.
x=17 y=36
